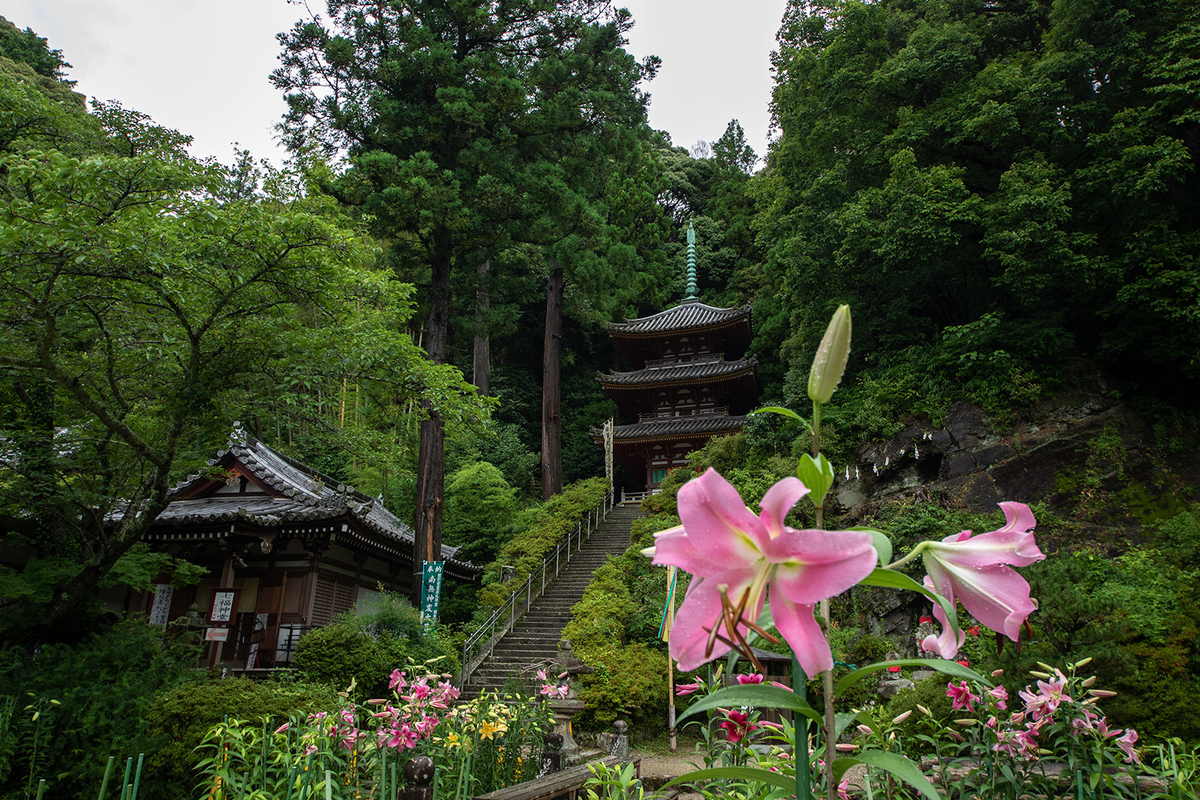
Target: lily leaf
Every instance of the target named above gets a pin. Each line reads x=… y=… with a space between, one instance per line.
x=952 y=668
x=898 y=580
x=752 y=694
x=881 y=542
x=785 y=412
x=894 y=763
x=737 y=773
x=817 y=475
x=842 y=721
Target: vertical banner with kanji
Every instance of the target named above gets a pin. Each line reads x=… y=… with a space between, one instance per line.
x=431 y=590
x=160 y=611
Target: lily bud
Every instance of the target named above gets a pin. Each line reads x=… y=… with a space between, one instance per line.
x=1101 y=693
x=1088 y=682
x=966 y=723
x=996 y=673
x=864 y=730
x=898 y=719
x=924 y=710
x=830 y=360
x=1046 y=666
x=1037 y=674
x=1083 y=663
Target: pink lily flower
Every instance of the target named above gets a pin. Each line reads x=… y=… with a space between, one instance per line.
x=1000 y=695
x=961 y=696
x=396 y=680
x=753 y=677
x=732 y=552
x=1104 y=731
x=1126 y=743
x=978 y=571
x=947 y=644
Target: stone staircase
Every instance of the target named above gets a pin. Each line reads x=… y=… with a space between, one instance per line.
x=533 y=641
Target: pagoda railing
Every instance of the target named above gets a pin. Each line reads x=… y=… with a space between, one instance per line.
x=685 y=358
x=707 y=411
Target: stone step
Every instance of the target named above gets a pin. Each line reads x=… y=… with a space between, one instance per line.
x=534 y=640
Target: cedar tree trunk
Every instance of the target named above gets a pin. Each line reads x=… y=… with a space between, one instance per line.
x=482 y=358
x=551 y=388
x=431 y=459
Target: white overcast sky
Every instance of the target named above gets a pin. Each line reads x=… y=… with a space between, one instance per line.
x=201 y=66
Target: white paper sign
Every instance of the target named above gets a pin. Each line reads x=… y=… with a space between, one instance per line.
x=161 y=608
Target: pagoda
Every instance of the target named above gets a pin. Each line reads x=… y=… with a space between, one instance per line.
x=694 y=381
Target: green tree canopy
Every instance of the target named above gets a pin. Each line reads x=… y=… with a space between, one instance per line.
x=139 y=312
x=1021 y=172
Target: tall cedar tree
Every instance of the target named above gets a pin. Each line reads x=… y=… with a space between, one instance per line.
x=448 y=112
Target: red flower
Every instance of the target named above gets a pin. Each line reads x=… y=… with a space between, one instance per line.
x=964 y=662
x=973 y=630
x=737 y=726
x=894 y=668
x=925 y=619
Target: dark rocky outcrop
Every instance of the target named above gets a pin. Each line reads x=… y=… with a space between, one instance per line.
x=1091 y=460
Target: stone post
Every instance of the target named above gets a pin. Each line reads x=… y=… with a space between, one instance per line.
x=552 y=758
x=620 y=747
x=418 y=778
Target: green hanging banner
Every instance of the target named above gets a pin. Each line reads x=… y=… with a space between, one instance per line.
x=431 y=590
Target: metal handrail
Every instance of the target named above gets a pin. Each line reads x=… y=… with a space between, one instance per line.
x=560 y=557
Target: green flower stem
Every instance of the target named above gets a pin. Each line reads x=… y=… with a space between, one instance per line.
x=800 y=750
x=916 y=551
x=830 y=735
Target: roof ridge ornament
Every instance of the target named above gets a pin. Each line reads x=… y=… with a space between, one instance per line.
x=691 y=263
x=237 y=435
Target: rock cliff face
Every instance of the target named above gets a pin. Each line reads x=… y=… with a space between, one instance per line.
x=1090 y=461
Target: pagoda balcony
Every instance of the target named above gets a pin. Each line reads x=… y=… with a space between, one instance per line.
x=685 y=358
x=677 y=413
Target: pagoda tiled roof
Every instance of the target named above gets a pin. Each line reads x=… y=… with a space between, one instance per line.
x=688 y=315
x=307 y=497
x=672 y=427
x=676 y=372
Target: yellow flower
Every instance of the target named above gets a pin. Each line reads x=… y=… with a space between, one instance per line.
x=488 y=730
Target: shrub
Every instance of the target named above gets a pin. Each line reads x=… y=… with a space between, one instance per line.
x=342 y=653
x=106 y=685
x=480 y=509
x=181 y=717
x=365 y=648
x=630 y=681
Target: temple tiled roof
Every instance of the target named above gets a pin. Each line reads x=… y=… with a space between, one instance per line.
x=674 y=373
x=701 y=424
x=308 y=496
x=688 y=315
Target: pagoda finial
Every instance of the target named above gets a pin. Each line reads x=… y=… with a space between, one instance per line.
x=691 y=262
